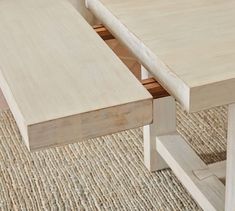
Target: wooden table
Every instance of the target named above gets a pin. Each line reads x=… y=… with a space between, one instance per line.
x=61 y=81
x=189 y=47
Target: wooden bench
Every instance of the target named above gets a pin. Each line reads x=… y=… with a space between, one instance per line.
x=61 y=81
x=188 y=46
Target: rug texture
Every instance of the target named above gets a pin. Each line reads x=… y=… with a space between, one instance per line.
x=106 y=173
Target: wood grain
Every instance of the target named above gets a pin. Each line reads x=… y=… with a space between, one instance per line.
x=187 y=45
x=61 y=81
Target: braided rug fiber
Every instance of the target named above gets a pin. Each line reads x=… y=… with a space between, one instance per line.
x=106 y=173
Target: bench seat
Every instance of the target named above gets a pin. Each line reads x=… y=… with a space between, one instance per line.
x=61 y=81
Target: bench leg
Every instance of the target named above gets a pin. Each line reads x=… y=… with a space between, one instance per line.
x=144 y=73
x=230 y=168
x=164 y=122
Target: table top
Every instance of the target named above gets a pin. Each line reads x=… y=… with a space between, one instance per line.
x=53 y=64
x=189 y=46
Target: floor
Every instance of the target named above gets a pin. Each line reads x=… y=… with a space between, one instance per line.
x=106 y=173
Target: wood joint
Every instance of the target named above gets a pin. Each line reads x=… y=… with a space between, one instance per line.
x=154 y=88
x=216 y=169
x=103 y=32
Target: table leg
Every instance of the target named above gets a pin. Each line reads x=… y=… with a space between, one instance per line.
x=144 y=73
x=164 y=122
x=164 y=147
x=230 y=171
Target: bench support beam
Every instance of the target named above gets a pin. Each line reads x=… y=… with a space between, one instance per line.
x=209 y=192
x=204 y=182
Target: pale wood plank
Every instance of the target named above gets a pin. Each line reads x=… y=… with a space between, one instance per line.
x=209 y=192
x=230 y=167
x=60 y=79
x=187 y=45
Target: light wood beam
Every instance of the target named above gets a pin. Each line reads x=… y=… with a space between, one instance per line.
x=164 y=121
x=208 y=192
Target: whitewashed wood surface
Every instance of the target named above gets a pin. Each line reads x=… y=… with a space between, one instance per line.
x=59 y=77
x=189 y=46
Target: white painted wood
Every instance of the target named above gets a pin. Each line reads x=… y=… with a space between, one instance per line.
x=230 y=168
x=61 y=81
x=187 y=45
x=164 y=121
x=217 y=169
x=144 y=73
x=152 y=159
x=209 y=192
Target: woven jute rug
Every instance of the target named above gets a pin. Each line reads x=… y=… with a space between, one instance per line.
x=106 y=173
